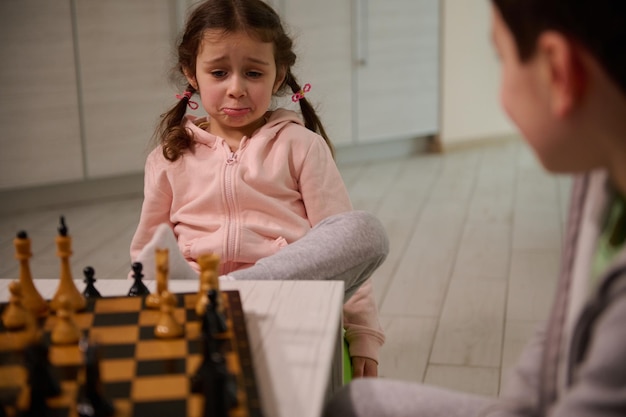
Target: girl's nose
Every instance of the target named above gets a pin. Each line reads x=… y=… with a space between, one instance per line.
x=237 y=87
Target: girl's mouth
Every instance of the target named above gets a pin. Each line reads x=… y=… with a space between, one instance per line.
x=235 y=112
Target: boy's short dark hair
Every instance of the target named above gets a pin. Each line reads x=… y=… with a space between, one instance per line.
x=599 y=25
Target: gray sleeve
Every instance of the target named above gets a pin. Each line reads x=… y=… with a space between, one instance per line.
x=599 y=387
x=521 y=387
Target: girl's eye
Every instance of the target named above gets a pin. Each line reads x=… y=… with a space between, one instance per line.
x=218 y=73
x=254 y=74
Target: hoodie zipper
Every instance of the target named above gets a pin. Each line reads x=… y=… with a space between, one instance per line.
x=231 y=241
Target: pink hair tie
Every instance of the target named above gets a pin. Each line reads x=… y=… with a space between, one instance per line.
x=300 y=94
x=187 y=94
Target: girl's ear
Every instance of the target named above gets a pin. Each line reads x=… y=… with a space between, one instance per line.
x=281 y=74
x=191 y=79
x=565 y=70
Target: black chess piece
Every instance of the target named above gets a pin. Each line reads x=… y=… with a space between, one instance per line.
x=43 y=383
x=62 y=226
x=217 y=319
x=210 y=345
x=90 y=290
x=138 y=288
x=212 y=377
x=92 y=402
x=219 y=387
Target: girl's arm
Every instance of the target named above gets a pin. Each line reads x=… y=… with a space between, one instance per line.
x=156 y=205
x=321 y=186
x=363 y=331
x=324 y=194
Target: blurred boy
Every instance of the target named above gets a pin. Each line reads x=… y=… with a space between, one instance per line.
x=563 y=84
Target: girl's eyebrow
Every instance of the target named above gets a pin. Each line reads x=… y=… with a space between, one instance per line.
x=224 y=58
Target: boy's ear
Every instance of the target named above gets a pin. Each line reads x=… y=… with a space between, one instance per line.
x=565 y=72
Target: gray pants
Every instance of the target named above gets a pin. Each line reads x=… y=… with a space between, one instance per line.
x=371 y=397
x=346 y=247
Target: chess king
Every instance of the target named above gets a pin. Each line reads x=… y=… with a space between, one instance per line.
x=66 y=286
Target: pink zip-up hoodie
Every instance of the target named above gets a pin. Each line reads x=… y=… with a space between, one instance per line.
x=246 y=205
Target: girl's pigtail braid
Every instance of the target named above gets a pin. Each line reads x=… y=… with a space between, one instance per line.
x=171 y=134
x=311 y=119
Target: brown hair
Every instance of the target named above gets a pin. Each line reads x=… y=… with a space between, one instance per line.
x=253 y=17
x=598 y=25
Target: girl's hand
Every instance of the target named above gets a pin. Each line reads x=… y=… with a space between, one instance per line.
x=364 y=367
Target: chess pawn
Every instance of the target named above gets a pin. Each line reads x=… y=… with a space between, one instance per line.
x=31 y=299
x=90 y=290
x=138 y=288
x=66 y=286
x=162 y=273
x=65 y=330
x=15 y=315
x=167 y=327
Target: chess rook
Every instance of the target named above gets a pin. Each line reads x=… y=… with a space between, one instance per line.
x=209 y=280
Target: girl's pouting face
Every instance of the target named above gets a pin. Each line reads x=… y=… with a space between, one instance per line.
x=236 y=76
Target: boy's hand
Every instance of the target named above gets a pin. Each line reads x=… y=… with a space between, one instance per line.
x=364 y=367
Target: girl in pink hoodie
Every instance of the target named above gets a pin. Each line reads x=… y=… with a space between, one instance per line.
x=259 y=188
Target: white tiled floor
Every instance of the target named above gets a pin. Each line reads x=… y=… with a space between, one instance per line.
x=475 y=239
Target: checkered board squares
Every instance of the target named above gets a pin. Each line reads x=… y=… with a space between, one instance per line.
x=142 y=375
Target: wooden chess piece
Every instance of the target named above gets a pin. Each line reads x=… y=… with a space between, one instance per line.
x=167 y=327
x=203 y=298
x=92 y=401
x=14 y=315
x=209 y=264
x=31 y=299
x=65 y=330
x=215 y=312
x=162 y=274
x=66 y=286
x=37 y=358
x=209 y=279
x=41 y=380
x=213 y=324
x=138 y=288
x=90 y=290
x=33 y=333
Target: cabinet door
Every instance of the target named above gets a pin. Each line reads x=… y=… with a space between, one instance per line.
x=321 y=31
x=125 y=57
x=397 y=57
x=39 y=122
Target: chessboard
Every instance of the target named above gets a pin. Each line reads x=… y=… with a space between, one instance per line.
x=140 y=374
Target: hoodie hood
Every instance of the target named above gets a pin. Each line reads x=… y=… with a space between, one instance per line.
x=276 y=121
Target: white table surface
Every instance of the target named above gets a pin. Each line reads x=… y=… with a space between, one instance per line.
x=294 y=331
